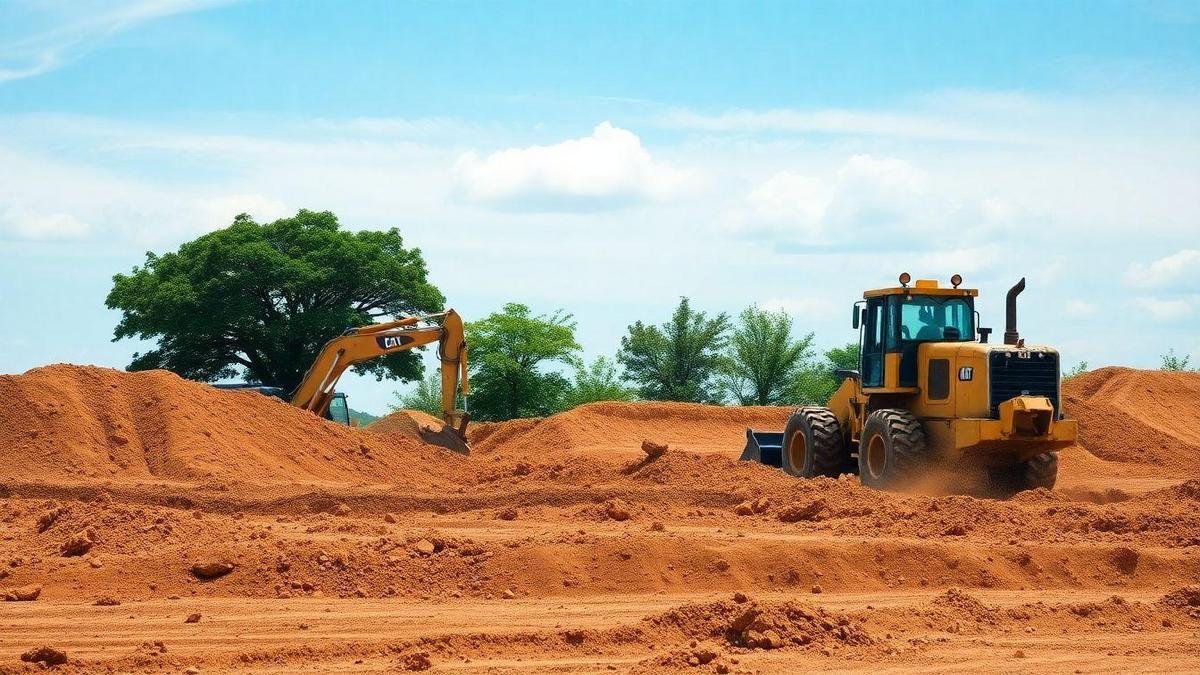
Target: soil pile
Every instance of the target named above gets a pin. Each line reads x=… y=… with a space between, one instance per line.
x=617 y=429
x=1138 y=416
x=405 y=423
x=65 y=422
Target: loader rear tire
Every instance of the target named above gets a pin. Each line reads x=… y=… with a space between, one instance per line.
x=813 y=444
x=1040 y=471
x=892 y=450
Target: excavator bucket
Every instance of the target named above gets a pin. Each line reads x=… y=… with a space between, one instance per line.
x=763 y=446
x=448 y=437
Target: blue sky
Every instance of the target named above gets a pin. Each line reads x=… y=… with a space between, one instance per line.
x=609 y=157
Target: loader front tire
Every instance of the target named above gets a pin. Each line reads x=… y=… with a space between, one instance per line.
x=892 y=450
x=813 y=444
x=1040 y=471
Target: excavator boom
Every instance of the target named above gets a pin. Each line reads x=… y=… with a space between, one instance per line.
x=357 y=345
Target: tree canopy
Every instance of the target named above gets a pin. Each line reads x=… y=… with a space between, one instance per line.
x=678 y=361
x=259 y=300
x=507 y=351
x=764 y=359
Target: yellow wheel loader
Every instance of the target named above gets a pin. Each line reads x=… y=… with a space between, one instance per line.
x=930 y=390
x=316 y=391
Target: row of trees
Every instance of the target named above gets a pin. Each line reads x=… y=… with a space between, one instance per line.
x=526 y=364
x=258 y=300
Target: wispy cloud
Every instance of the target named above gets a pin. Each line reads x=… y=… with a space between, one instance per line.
x=1180 y=270
x=60 y=32
x=835 y=121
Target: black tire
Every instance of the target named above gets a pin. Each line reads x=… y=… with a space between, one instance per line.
x=1040 y=471
x=813 y=444
x=892 y=450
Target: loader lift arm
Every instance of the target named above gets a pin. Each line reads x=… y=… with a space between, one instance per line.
x=361 y=344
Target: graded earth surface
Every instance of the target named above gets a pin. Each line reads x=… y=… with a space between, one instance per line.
x=151 y=524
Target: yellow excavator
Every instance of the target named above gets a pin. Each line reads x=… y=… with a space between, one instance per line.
x=316 y=391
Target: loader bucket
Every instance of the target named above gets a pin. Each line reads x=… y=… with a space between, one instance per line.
x=763 y=446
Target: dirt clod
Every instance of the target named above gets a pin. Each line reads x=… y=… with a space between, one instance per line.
x=79 y=543
x=23 y=593
x=653 y=449
x=212 y=569
x=45 y=655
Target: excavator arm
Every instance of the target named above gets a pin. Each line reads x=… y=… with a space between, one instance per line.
x=369 y=342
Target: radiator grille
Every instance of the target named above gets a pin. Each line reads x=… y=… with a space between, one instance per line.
x=1014 y=376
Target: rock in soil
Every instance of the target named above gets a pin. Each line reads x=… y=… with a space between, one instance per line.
x=79 y=543
x=211 y=569
x=23 y=593
x=653 y=450
x=45 y=655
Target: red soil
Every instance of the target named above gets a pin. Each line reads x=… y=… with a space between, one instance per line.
x=1138 y=416
x=132 y=502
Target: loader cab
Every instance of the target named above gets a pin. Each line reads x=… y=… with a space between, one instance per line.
x=894 y=322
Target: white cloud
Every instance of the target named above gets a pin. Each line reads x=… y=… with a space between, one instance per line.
x=1164 y=309
x=25 y=225
x=791 y=200
x=873 y=202
x=608 y=169
x=1180 y=270
x=1080 y=309
x=66 y=30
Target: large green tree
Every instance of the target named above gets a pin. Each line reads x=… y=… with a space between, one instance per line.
x=259 y=300
x=508 y=350
x=678 y=361
x=764 y=358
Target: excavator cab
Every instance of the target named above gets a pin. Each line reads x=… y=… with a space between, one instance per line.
x=338 y=410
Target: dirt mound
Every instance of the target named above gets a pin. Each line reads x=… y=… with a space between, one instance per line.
x=618 y=429
x=65 y=422
x=420 y=426
x=406 y=423
x=1138 y=416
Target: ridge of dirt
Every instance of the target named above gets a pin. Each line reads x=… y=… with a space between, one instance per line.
x=81 y=423
x=1138 y=416
x=618 y=429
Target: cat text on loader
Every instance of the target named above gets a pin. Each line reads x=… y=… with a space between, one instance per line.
x=356 y=345
x=930 y=388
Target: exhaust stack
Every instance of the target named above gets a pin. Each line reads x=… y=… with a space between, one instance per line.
x=1011 y=336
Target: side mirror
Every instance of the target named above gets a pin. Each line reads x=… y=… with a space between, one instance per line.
x=856 y=318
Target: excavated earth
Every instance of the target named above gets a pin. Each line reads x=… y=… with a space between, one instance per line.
x=151 y=524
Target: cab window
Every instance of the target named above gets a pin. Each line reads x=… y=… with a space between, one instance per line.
x=339 y=411
x=871 y=358
x=930 y=318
